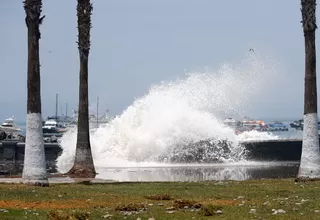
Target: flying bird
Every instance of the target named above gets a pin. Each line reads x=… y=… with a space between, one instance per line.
x=251 y=50
x=41 y=19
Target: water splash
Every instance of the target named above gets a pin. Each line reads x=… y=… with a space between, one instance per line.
x=172 y=115
x=257 y=136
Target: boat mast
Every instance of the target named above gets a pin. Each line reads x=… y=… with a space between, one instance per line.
x=98 y=111
x=57 y=106
x=66 y=109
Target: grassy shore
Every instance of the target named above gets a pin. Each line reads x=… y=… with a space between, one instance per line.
x=261 y=199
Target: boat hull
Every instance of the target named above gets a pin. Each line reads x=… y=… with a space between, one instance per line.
x=10 y=129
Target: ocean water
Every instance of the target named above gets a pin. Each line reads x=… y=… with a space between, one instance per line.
x=22 y=125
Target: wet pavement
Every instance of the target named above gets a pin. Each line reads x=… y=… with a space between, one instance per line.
x=186 y=172
x=218 y=172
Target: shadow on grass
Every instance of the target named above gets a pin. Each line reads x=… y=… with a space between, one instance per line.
x=159 y=197
x=59 y=215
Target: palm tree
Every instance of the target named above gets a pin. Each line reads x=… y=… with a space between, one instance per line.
x=310 y=158
x=34 y=170
x=83 y=165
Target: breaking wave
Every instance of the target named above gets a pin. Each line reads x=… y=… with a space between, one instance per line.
x=168 y=122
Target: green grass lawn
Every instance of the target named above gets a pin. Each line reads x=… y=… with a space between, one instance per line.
x=261 y=199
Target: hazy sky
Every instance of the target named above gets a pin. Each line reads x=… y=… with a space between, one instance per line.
x=136 y=43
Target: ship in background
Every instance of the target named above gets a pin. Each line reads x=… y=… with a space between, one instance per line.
x=57 y=123
x=248 y=124
x=9 y=126
x=94 y=119
x=62 y=123
x=299 y=124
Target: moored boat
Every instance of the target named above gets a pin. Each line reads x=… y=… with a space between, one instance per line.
x=52 y=122
x=9 y=126
x=299 y=124
x=277 y=126
x=246 y=124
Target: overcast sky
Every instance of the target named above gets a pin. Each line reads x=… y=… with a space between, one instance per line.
x=136 y=43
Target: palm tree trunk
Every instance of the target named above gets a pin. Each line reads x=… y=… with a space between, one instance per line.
x=310 y=158
x=83 y=165
x=34 y=170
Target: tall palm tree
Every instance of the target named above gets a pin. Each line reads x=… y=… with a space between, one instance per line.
x=83 y=165
x=34 y=170
x=310 y=158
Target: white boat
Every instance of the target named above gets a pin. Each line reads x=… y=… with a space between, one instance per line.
x=9 y=126
x=230 y=122
x=93 y=120
x=246 y=124
x=51 y=123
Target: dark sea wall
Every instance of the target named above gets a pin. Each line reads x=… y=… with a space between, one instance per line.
x=12 y=156
x=12 y=152
x=276 y=150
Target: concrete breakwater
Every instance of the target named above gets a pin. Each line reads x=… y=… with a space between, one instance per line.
x=210 y=151
x=12 y=156
x=274 y=150
x=12 y=153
